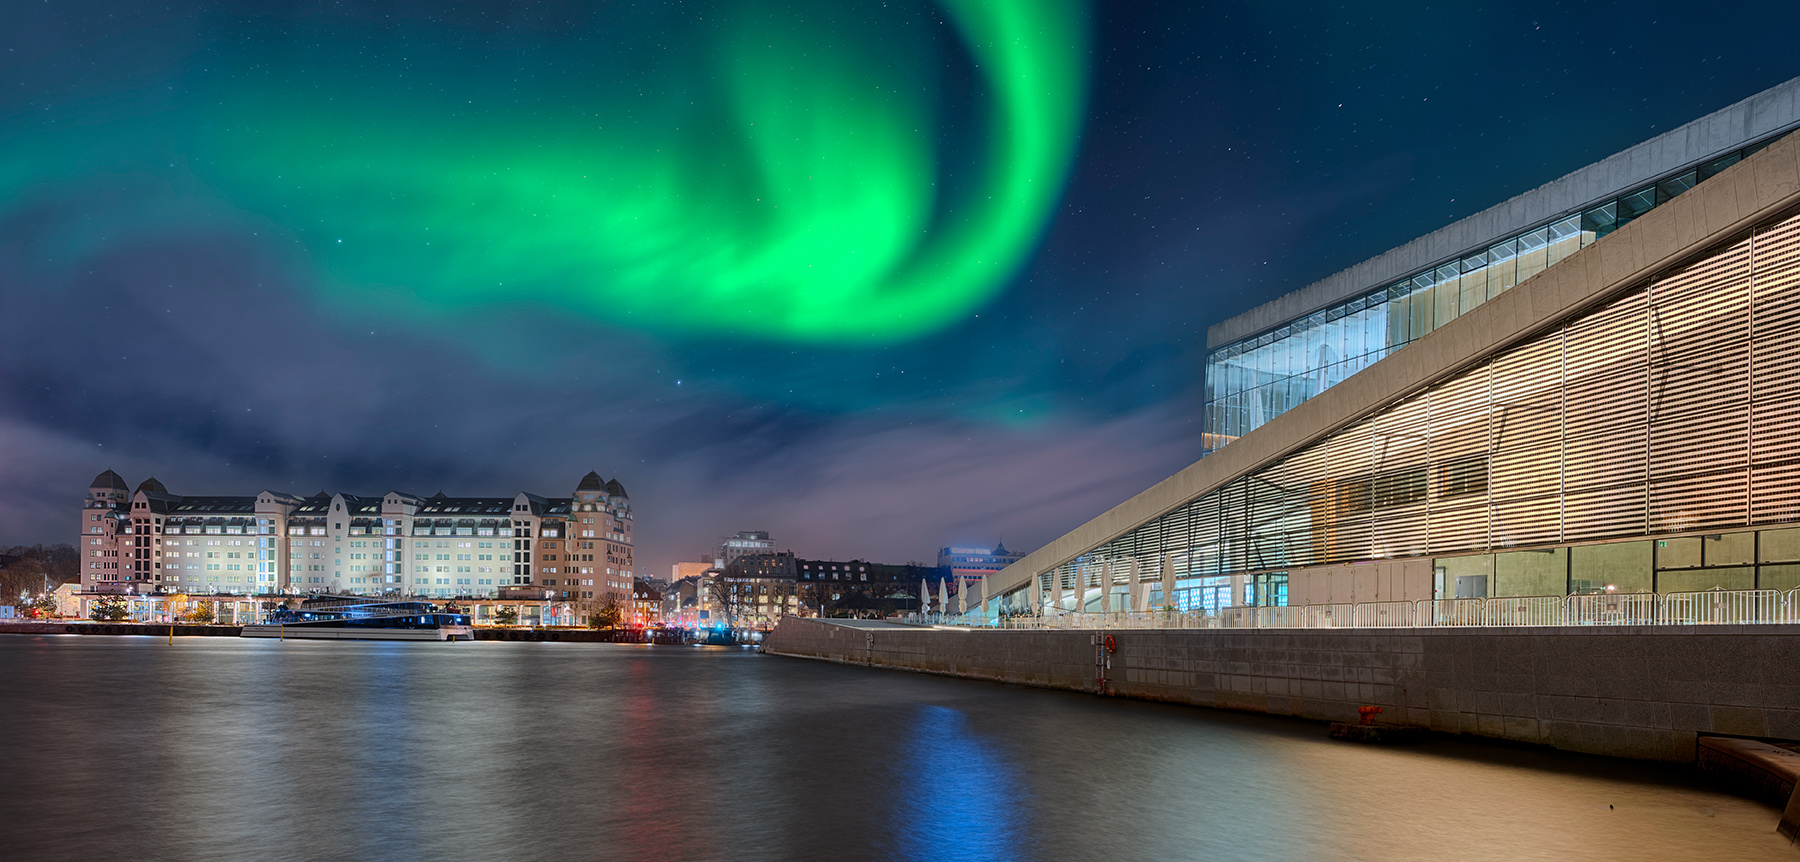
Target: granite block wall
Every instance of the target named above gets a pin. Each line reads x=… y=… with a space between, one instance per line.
x=1643 y=692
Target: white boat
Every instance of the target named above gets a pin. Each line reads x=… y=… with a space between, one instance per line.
x=358 y=618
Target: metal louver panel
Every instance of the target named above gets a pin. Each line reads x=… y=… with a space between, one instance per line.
x=1527 y=435
x=1775 y=376
x=1675 y=407
x=1233 y=553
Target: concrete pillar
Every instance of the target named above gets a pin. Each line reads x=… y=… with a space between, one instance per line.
x=1168 y=579
x=1237 y=590
x=1140 y=593
x=1105 y=579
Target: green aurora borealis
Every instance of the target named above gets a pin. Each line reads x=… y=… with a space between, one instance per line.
x=761 y=170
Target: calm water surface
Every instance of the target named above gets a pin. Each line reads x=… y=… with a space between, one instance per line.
x=131 y=748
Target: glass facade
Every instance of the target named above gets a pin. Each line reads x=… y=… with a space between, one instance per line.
x=1672 y=409
x=1257 y=379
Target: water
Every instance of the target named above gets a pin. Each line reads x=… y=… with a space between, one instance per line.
x=131 y=748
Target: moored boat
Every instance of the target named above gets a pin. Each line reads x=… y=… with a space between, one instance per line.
x=361 y=618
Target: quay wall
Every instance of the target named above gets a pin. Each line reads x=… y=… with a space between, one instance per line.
x=77 y=627
x=1644 y=692
x=74 y=627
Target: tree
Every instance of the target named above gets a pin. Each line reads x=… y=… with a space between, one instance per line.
x=724 y=603
x=506 y=615
x=109 y=609
x=607 y=617
x=202 y=613
x=62 y=562
x=24 y=577
x=41 y=608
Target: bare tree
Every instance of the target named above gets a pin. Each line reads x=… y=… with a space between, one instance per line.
x=24 y=578
x=61 y=562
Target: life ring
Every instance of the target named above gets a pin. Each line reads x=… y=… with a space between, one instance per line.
x=1111 y=646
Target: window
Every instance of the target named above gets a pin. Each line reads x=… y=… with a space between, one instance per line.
x=1400 y=487
x=1351 y=496
x=1462 y=477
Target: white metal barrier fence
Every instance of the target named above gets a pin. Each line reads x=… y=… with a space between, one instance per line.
x=1372 y=614
x=1613 y=609
x=1735 y=606
x=1711 y=607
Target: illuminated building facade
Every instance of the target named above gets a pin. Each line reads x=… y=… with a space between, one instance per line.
x=1264 y=362
x=757 y=590
x=745 y=542
x=857 y=588
x=973 y=564
x=1622 y=419
x=646 y=604
x=578 y=547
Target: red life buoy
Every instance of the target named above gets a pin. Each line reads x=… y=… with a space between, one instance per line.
x=1110 y=645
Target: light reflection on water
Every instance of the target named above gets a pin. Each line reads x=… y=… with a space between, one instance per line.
x=950 y=787
x=120 y=747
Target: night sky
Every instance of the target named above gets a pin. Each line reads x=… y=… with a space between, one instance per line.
x=874 y=276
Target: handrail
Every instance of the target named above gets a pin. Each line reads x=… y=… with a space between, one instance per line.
x=1706 y=607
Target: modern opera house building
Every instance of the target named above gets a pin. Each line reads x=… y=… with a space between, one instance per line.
x=1594 y=386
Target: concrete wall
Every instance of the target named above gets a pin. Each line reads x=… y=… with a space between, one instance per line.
x=1373 y=581
x=1642 y=692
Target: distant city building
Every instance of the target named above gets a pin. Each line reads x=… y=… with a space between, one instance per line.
x=577 y=548
x=689 y=570
x=976 y=563
x=857 y=588
x=745 y=542
x=757 y=590
x=646 y=604
x=691 y=602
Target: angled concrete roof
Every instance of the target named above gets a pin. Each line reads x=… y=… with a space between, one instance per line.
x=1749 y=193
x=1769 y=112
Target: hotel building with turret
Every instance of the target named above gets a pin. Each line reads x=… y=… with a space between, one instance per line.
x=574 y=548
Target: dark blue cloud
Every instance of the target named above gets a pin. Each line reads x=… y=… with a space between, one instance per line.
x=1233 y=152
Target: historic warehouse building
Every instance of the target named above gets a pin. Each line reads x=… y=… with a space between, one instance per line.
x=575 y=548
x=1594 y=386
